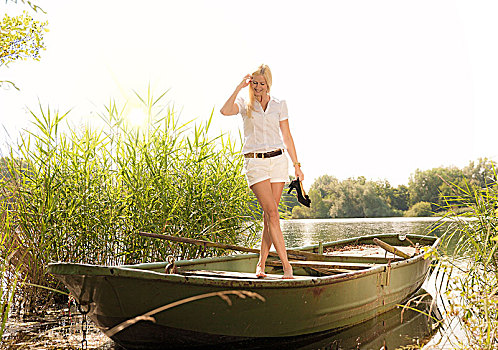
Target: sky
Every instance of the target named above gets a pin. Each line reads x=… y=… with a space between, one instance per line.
x=374 y=88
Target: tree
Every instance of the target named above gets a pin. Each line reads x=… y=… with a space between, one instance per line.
x=347 y=199
x=319 y=207
x=21 y=37
x=320 y=194
x=396 y=198
x=482 y=174
x=325 y=184
x=400 y=198
x=428 y=191
x=358 y=198
x=438 y=186
x=374 y=205
x=434 y=185
x=424 y=186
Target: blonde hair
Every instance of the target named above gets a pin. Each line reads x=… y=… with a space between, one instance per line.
x=265 y=71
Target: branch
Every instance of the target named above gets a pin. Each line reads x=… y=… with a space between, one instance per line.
x=30 y=4
x=148 y=315
x=9 y=83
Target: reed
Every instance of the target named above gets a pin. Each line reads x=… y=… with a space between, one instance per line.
x=472 y=267
x=81 y=194
x=9 y=279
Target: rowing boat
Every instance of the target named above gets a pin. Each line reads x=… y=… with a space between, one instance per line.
x=219 y=300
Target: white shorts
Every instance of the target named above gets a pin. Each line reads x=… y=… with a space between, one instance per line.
x=259 y=169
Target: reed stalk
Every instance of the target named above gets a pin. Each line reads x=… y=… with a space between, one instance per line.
x=8 y=286
x=473 y=291
x=81 y=194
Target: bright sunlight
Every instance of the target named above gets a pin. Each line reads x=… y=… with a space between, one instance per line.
x=136 y=118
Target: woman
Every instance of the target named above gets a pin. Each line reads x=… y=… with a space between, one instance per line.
x=266 y=134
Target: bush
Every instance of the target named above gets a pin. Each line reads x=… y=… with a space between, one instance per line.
x=420 y=209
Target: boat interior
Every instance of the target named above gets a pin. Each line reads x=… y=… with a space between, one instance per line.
x=340 y=257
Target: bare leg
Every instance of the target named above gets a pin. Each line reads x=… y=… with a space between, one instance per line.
x=264 y=194
x=266 y=241
x=265 y=247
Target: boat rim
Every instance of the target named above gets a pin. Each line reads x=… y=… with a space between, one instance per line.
x=141 y=271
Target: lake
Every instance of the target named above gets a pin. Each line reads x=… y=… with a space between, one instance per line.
x=311 y=231
x=385 y=330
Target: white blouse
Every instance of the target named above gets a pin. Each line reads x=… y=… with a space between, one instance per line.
x=262 y=130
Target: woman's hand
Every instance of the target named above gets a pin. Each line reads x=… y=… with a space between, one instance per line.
x=298 y=172
x=246 y=81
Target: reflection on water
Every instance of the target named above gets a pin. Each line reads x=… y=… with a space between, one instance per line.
x=395 y=329
x=59 y=328
x=311 y=231
x=391 y=330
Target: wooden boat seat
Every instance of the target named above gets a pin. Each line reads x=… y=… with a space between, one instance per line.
x=369 y=251
x=377 y=259
x=233 y=274
x=326 y=264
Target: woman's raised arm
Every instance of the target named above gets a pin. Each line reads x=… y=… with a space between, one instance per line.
x=230 y=107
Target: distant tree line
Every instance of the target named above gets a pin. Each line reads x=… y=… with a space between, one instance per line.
x=429 y=192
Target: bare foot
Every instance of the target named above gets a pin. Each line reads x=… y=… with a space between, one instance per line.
x=288 y=275
x=260 y=271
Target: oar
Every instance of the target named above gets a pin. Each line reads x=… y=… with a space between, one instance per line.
x=293 y=254
x=391 y=249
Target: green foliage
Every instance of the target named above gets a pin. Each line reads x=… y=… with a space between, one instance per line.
x=420 y=209
x=432 y=185
x=320 y=204
x=481 y=174
x=374 y=204
x=319 y=208
x=437 y=186
x=427 y=193
x=472 y=290
x=424 y=186
x=82 y=195
x=21 y=37
x=332 y=198
x=360 y=198
x=397 y=198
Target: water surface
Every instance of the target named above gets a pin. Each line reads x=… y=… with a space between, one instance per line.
x=312 y=231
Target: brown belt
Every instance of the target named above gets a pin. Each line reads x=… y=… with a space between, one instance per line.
x=264 y=155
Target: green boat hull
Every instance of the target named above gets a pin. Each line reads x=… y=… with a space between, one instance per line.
x=296 y=307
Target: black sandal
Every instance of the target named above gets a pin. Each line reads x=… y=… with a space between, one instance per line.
x=302 y=197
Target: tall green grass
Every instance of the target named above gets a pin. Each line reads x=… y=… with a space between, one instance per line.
x=473 y=289
x=80 y=194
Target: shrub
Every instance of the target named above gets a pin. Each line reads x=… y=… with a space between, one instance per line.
x=420 y=209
